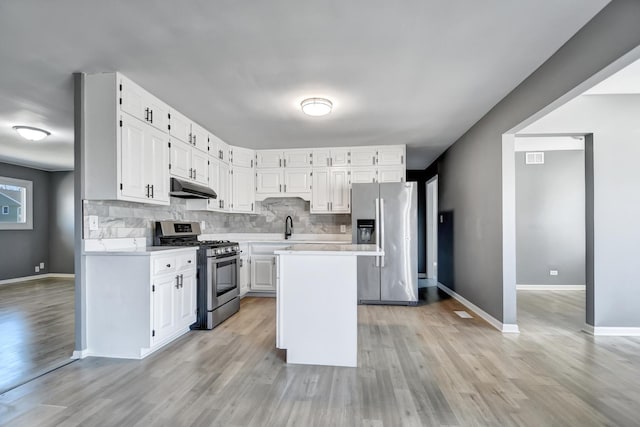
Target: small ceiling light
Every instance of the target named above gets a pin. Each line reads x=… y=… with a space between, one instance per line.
x=316 y=106
x=31 y=133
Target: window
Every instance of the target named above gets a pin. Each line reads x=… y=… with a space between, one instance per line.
x=16 y=197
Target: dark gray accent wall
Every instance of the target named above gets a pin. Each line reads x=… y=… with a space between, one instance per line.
x=22 y=250
x=61 y=217
x=470 y=171
x=550 y=219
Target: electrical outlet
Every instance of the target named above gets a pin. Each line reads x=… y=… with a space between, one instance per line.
x=553 y=272
x=37 y=269
x=42 y=265
x=343 y=228
x=93 y=222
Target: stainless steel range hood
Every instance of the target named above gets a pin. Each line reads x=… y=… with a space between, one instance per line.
x=189 y=190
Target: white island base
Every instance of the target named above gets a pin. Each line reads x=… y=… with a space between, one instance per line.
x=317 y=303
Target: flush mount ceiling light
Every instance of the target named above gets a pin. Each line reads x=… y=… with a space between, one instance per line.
x=316 y=106
x=31 y=133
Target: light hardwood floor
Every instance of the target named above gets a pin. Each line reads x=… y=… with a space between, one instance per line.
x=420 y=366
x=36 y=328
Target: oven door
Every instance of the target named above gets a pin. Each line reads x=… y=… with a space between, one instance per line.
x=222 y=280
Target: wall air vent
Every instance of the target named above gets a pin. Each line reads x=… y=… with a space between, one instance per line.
x=534 y=158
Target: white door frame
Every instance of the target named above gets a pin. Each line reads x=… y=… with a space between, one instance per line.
x=432 y=228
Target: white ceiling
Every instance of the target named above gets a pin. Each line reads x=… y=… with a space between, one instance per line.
x=413 y=72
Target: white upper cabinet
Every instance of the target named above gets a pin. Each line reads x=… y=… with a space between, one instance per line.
x=140 y=104
x=321 y=190
x=363 y=156
x=219 y=149
x=269 y=181
x=143 y=162
x=179 y=126
x=181 y=159
x=391 y=174
x=340 y=191
x=189 y=163
x=199 y=137
x=325 y=157
x=200 y=165
x=296 y=159
x=297 y=180
x=243 y=157
x=391 y=155
x=363 y=175
x=340 y=156
x=224 y=190
x=267 y=159
x=321 y=157
x=243 y=185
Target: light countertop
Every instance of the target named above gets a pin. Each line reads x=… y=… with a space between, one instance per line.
x=330 y=249
x=278 y=237
x=143 y=251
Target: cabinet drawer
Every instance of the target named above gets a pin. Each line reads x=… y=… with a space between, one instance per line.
x=185 y=262
x=164 y=264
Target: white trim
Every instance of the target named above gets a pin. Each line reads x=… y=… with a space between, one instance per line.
x=549 y=143
x=612 y=331
x=37 y=276
x=551 y=287
x=28 y=185
x=502 y=327
x=80 y=354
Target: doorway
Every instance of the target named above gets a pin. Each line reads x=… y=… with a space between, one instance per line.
x=432 y=231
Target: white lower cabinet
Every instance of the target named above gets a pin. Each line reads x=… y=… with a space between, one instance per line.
x=245 y=275
x=263 y=273
x=138 y=301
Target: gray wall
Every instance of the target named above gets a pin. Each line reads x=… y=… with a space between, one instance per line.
x=470 y=171
x=61 y=222
x=613 y=120
x=122 y=219
x=22 y=250
x=550 y=219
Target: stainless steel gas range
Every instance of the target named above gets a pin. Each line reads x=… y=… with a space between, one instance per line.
x=218 y=271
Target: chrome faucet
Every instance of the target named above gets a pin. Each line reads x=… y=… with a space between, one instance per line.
x=288 y=227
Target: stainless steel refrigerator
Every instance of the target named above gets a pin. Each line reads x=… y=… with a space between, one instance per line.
x=386 y=215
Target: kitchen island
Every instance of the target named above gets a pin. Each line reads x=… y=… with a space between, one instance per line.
x=317 y=302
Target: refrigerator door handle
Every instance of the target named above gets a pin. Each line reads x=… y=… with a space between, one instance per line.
x=378 y=229
x=382 y=230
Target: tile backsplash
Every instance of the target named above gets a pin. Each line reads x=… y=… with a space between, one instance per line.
x=118 y=219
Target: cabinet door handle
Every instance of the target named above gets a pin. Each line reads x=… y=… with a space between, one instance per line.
x=182 y=280
x=178 y=282
x=190 y=172
x=285 y=164
x=327 y=206
x=147 y=187
x=195 y=173
x=285 y=188
x=194 y=139
x=280 y=162
x=189 y=262
x=152 y=192
x=168 y=265
x=190 y=138
x=327 y=161
x=374 y=160
x=151 y=115
x=146 y=114
x=251 y=207
x=402 y=159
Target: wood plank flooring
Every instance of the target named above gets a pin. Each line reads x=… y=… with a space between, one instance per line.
x=36 y=328
x=419 y=366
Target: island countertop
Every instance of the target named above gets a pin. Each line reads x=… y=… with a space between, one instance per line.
x=331 y=249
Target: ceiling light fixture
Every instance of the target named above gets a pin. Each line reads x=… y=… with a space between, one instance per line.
x=31 y=133
x=316 y=106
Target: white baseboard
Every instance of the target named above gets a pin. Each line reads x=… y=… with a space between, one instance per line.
x=37 y=276
x=80 y=354
x=506 y=328
x=551 y=287
x=612 y=331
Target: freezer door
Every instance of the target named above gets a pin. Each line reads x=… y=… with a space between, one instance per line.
x=398 y=239
x=363 y=206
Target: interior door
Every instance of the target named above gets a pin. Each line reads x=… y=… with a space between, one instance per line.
x=398 y=238
x=364 y=206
